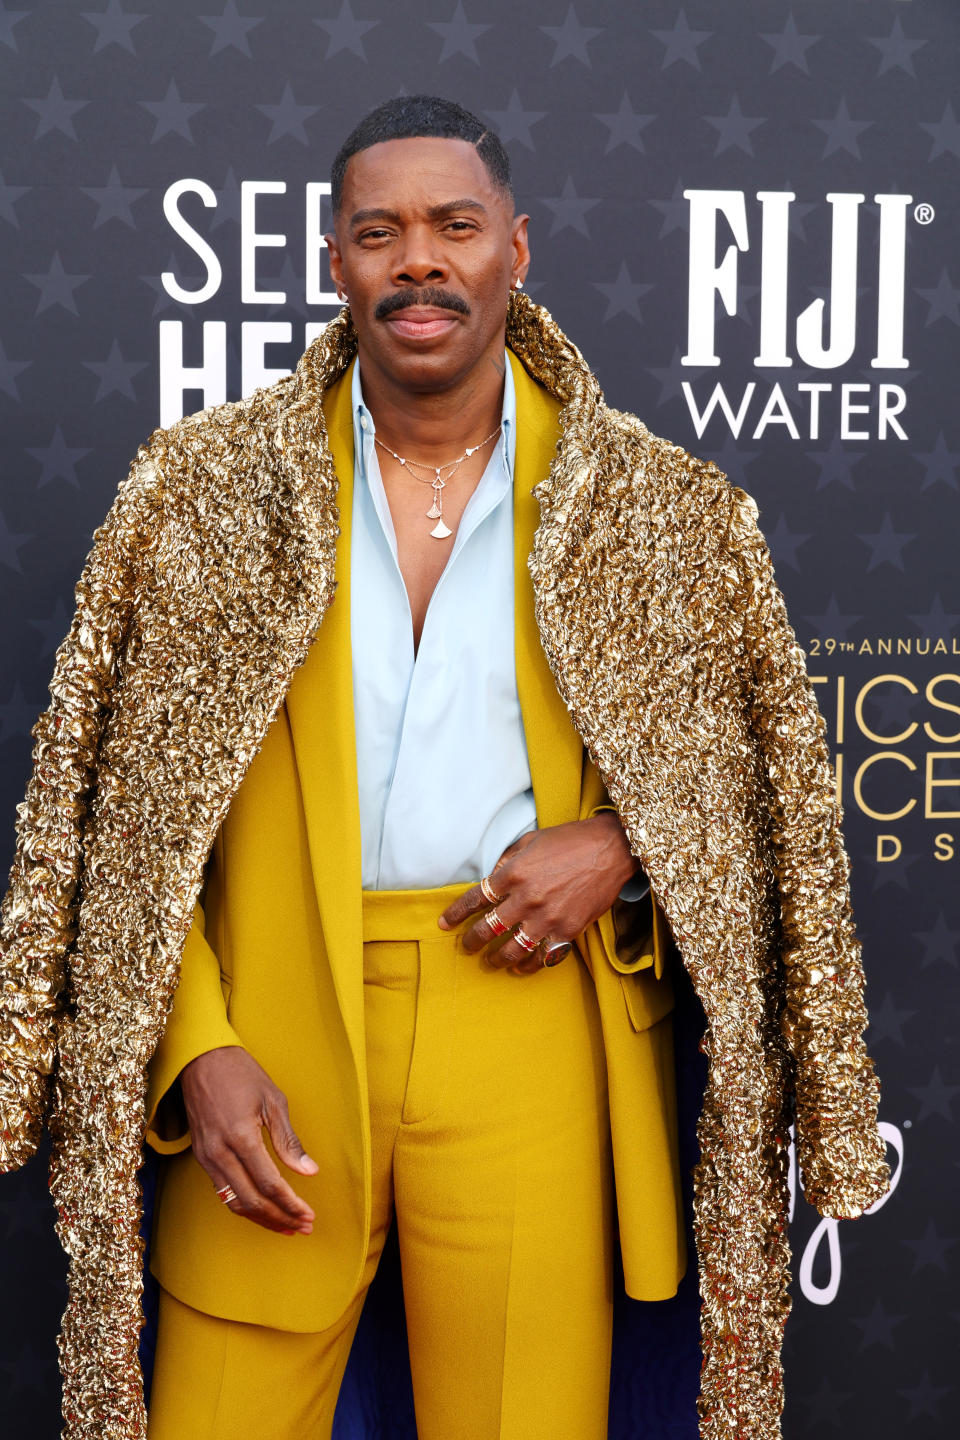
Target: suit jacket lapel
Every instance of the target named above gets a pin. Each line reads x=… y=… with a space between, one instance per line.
x=320 y=708
x=554 y=748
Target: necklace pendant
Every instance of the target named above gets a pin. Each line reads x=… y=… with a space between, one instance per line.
x=441 y=531
x=434 y=512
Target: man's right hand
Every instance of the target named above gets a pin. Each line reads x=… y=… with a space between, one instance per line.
x=229 y=1098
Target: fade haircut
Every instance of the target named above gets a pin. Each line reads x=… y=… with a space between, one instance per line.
x=409 y=117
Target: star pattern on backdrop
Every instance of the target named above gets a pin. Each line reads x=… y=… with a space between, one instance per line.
x=228 y=202
x=9 y=195
x=675 y=211
x=672 y=376
x=878 y=1327
x=936 y=621
x=11 y=543
x=569 y=209
x=945 y=134
x=836 y=463
x=898 y=874
x=622 y=294
x=832 y=623
x=939 y=464
x=53 y=628
x=924 y=1398
x=842 y=132
x=896 y=51
x=823 y=1405
x=56 y=287
x=172 y=115
x=789 y=46
x=625 y=125
x=734 y=129
x=230 y=29
x=9 y=19
x=114 y=26
x=886 y=545
x=939 y=943
x=346 y=32
x=55 y=112
x=942 y=300
x=514 y=123
x=459 y=35
x=936 y=1097
x=570 y=40
x=9 y=370
x=930 y=1249
x=681 y=43
x=288 y=118
x=17 y=714
x=114 y=200
x=58 y=460
x=887 y=1022
x=115 y=374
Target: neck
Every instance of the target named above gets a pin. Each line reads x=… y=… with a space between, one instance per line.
x=437 y=425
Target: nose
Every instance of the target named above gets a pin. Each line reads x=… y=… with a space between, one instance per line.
x=417 y=260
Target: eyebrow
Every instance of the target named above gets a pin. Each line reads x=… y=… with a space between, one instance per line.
x=435 y=212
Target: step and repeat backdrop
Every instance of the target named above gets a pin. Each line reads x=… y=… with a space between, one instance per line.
x=746 y=216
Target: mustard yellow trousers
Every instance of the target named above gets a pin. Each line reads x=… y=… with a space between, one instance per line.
x=490 y=1145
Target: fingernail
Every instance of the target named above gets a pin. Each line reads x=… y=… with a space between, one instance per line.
x=308 y=1160
x=444 y=925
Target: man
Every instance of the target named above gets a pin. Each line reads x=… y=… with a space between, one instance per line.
x=400 y=819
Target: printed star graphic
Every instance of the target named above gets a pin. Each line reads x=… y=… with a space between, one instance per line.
x=836 y=464
x=784 y=543
x=346 y=32
x=681 y=43
x=940 y=464
x=53 y=629
x=11 y=543
x=9 y=370
x=672 y=376
x=943 y=300
x=228 y=202
x=887 y=1022
x=789 y=47
x=569 y=210
x=230 y=28
x=893 y=872
x=896 y=50
x=925 y=1397
x=842 y=132
x=731 y=458
x=940 y=943
x=937 y=621
x=571 y=38
x=115 y=374
x=931 y=1249
x=17 y=715
x=675 y=211
x=823 y=1404
x=293 y=286
x=623 y=295
x=936 y=1098
x=514 y=123
x=625 y=126
x=832 y=622
x=886 y=544
x=459 y=36
x=799 y=210
x=733 y=129
x=8 y=20
x=114 y=200
x=113 y=26
x=288 y=117
x=56 y=113
x=59 y=460
x=945 y=132
x=878 y=1327
x=56 y=287
x=9 y=195
x=171 y=114
x=892 y=708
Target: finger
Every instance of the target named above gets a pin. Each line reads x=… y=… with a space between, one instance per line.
x=482 y=931
x=272 y=1196
x=464 y=905
x=512 y=954
x=285 y=1139
x=228 y=1169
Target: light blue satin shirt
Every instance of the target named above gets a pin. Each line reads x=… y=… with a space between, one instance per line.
x=442 y=767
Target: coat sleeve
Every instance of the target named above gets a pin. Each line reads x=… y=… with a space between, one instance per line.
x=38 y=918
x=840 y=1151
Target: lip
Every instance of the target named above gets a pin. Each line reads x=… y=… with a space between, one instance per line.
x=422 y=322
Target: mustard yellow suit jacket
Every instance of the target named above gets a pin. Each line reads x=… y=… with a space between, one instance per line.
x=273 y=964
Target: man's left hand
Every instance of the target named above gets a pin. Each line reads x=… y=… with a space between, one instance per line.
x=553 y=883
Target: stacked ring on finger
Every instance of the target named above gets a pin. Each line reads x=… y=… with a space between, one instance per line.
x=523 y=940
x=227 y=1194
x=489 y=892
x=495 y=923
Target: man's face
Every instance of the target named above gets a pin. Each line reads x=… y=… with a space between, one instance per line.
x=426 y=248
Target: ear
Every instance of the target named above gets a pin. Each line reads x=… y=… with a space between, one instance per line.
x=519 y=246
x=336 y=260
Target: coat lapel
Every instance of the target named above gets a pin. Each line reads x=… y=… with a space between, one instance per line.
x=320 y=707
x=554 y=748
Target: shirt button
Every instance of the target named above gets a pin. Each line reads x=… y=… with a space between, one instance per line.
x=363 y=422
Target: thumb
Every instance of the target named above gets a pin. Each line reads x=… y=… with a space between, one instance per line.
x=286 y=1141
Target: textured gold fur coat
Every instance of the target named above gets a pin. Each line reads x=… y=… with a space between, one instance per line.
x=669 y=643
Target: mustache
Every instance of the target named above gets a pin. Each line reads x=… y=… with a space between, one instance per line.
x=429 y=295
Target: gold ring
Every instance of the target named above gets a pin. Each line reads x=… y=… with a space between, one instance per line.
x=495 y=923
x=226 y=1194
x=523 y=940
x=489 y=892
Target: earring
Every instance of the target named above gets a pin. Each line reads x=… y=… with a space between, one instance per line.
x=340 y=294
x=518 y=283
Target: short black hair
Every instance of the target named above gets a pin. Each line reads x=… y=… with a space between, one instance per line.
x=409 y=117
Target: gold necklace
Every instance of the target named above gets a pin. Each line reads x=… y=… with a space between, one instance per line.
x=440 y=531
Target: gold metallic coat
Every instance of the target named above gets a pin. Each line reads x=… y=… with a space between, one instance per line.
x=669 y=643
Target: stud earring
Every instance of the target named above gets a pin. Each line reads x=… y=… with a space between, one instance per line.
x=518 y=283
